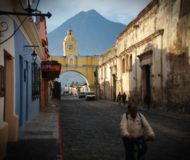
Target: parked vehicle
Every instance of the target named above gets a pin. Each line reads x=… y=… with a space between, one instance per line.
x=82 y=94
x=90 y=96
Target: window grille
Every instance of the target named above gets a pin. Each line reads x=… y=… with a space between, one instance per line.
x=35 y=81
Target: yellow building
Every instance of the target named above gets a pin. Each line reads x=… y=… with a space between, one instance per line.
x=70 y=61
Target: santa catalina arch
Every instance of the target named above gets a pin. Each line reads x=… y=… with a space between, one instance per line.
x=70 y=61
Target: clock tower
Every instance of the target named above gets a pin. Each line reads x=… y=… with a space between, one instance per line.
x=70 y=45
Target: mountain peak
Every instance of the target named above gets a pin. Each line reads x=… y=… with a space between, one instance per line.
x=92 y=11
x=94 y=33
x=88 y=14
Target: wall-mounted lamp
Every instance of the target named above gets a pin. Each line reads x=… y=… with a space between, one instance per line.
x=30 y=6
x=34 y=56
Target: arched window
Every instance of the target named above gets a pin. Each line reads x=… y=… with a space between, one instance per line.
x=123 y=65
x=127 y=63
x=71 y=61
x=131 y=62
x=102 y=73
x=105 y=72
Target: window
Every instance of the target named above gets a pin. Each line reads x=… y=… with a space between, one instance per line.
x=102 y=73
x=71 y=61
x=2 y=81
x=131 y=62
x=35 y=81
x=127 y=64
x=105 y=73
x=184 y=8
x=123 y=65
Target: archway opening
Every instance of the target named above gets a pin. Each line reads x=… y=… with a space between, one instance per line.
x=72 y=83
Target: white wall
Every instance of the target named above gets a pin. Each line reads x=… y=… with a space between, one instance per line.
x=7 y=46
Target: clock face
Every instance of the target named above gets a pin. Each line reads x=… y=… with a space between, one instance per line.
x=70 y=47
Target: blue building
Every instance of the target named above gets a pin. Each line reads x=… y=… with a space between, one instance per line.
x=27 y=78
x=23 y=91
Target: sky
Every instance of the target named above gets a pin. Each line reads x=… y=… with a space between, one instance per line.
x=122 y=11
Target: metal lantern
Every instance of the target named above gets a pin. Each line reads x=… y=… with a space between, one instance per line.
x=29 y=5
x=34 y=56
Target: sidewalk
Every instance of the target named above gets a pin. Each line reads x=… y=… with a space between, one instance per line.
x=39 y=140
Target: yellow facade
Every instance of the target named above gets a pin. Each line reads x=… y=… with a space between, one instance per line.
x=85 y=65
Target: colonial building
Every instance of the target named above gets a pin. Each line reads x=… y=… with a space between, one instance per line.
x=20 y=91
x=150 y=58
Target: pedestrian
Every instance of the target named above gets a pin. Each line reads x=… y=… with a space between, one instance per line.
x=119 y=96
x=124 y=96
x=134 y=128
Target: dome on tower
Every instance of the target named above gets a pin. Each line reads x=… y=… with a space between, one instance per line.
x=69 y=36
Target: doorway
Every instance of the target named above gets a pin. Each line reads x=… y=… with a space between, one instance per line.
x=21 y=91
x=114 y=87
x=147 y=84
x=9 y=86
x=26 y=81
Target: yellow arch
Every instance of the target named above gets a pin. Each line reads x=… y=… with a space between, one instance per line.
x=85 y=65
x=79 y=73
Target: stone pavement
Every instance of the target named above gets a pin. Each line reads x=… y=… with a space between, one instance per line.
x=91 y=131
x=40 y=139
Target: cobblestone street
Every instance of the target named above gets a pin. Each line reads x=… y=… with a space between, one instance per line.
x=90 y=131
